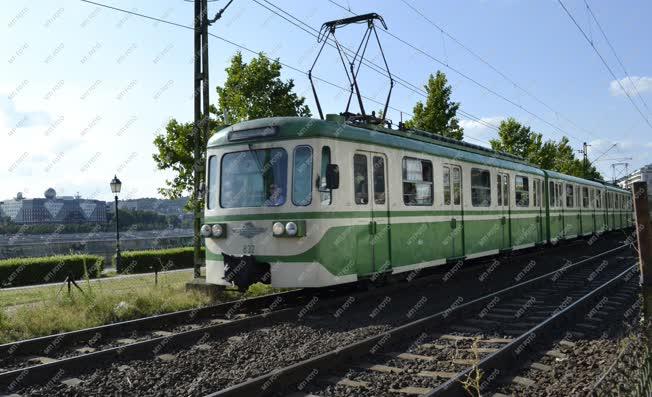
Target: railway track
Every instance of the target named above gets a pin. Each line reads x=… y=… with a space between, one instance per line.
x=442 y=354
x=64 y=356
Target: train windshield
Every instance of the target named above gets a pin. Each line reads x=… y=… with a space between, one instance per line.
x=254 y=178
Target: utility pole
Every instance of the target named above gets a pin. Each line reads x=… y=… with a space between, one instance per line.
x=201 y=126
x=198 y=164
x=585 y=160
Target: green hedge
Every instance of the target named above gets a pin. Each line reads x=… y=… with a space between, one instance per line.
x=150 y=260
x=50 y=269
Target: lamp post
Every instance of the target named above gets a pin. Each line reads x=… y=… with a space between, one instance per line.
x=116 y=185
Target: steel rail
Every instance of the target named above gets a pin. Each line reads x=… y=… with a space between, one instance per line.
x=280 y=379
x=512 y=355
x=37 y=345
x=70 y=366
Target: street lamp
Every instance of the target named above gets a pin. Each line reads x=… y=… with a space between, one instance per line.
x=116 y=185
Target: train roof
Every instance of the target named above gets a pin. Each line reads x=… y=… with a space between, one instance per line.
x=285 y=128
x=590 y=182
x=574 y=179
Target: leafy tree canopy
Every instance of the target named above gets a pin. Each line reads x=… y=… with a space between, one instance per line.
x=518 y=139
x=439 y=114
x=255 y=90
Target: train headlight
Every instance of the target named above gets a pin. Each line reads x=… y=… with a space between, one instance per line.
x=218 y=230
x=291 y=229
x=278 y=229
x=205 y=230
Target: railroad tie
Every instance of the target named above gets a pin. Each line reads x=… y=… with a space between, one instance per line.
x=587 y=325
x=464 y=361
x=455 y=337
x=160 y=334
x=541 y=367
x=412 y=390
x=35 y=360
x=71 y=382
x=381 y=368
x=349 y=382
x=125 y=341
x=523 y=381
x=435 y=346
x=217 y=321
x=462 y=328
x=475 y=321
x=411 y=357
x=556 y=354
x=437 y=374
x=496 y=340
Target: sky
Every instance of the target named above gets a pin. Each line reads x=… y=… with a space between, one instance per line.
x=85 y=89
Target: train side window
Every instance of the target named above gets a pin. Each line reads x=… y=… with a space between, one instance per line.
x=537 y=193
x=326 y=195
x=552 y=201
x=577 y=196
x=585 y=197
x=598 y=199
x=570 y=196
x=302 y=176
x=447 y=185
x=360 y=182
x=379 y=180
x=560 y=195
x=457 y=185
x=417 y=181
x=522 y=190
x=480 y=187
x=592 y=197
x=211 y=191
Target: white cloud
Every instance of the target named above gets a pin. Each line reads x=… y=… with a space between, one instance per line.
x=477 y=132
x=631 y=84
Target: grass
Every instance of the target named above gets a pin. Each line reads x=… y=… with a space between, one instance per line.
x=34 y=312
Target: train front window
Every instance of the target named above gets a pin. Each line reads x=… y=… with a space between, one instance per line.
x=302 y=176
x=254 y=178
x=212 y=183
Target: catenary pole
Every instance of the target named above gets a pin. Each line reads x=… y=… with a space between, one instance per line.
x=197 y=164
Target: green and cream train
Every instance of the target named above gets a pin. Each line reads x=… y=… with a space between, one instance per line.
x=300 y=202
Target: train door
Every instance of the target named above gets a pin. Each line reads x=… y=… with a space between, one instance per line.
x=538 y=200
x=607 y=210
x=452 y=176
x=578 y=206
x=373 y=254
x=593 y=210
x=561 y=199
x=503 y=189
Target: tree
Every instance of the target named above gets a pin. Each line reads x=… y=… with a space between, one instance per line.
x=255 y=90
x=439 y=114
x=518 y=139
x=250 y=91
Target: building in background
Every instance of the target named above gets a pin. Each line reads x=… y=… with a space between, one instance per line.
x=160 y=206
x=53 y=209
x=643 y=174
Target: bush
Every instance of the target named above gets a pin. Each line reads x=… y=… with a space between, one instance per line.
x=150 y=260
x=24 y=271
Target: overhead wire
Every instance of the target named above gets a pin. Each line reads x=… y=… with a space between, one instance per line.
x=474 y=81
x=604 y=62
x=240 y=46
x=297 y=22
x=613 y=50
x=491 y=66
